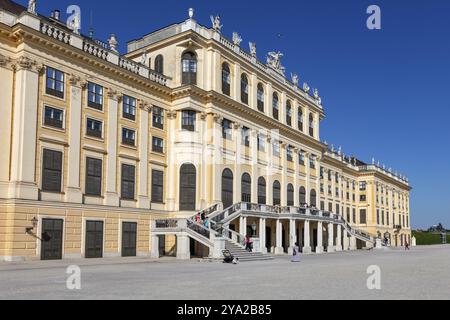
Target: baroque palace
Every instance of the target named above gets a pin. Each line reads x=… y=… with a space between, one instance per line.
x=109 y=155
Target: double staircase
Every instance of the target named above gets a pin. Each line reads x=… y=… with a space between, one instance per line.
x=218 y=237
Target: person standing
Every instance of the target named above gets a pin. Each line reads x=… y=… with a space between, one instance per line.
x=296 y=253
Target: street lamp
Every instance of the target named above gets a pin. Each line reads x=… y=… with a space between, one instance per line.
x=254 y=228
x=34 y=223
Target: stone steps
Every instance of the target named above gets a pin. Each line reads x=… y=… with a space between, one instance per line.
x=245 y=256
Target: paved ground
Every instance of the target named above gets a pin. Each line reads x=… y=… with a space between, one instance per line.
x=422 y=273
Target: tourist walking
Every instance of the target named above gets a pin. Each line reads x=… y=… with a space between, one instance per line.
x=406 y=245
x=296 y=253
x=248 y=244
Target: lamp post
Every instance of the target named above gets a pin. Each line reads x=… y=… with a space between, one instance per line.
x=34 y=223
x=254 y=229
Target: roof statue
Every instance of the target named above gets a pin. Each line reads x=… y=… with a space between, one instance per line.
x=237 y=39
x=217 y=26
x=252 y=46
x=295 y=79
x=113 y=43
x=191 y=13
x=306 y=87
x=32 y=6
x=274 y=61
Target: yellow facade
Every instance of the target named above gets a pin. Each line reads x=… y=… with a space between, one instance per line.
x=29 y=51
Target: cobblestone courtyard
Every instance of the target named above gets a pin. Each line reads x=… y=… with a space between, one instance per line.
x=422 y=273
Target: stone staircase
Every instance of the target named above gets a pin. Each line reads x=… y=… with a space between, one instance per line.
x=243 y=255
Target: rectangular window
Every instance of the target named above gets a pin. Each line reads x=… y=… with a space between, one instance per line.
x=289 y=154
x=188 y=120
x=387 y=218
x=95 y=96
x=246 y=136
x=157 y=186
x=226 y=130
x=362 y=186
x=53 y=117
x=276 y=148
x=338 y=209
x=94 y=128
x=129 y=108
x=128 y=182
x=354 y=215
x=93 y=177
x=51 y=171
x=128 y=137
x=378 y=217
x=337 y=192
x=330 y=207
x=329 y=190
x=322 y=189
x=312 y=162
x=55 y=83
x=289 y=116
x=301 y=158
x=321 y=172
x=322 y=205
x=157 y=145
x=348 y=215
x=382 y=218
x=158 y=117
x=362 y=216
x=362 y=198
x=261 y=143
x=300 y=120
x=348 y=196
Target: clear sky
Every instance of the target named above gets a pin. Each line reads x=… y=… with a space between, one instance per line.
x=386 y=92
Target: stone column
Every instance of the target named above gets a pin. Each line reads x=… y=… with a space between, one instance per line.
x=307 y=181
x=346 y=244
x=255 y=177
x=307 y=239
x=237 y=82
x=143 y=198
x=339 y=238
x=73 y=191
x=353 y=243
x=253 y=101
x=183 y=247
x=330 y=247
x=243 y=226
x=172 y=165
x=111 y=192
x=292 y=236
x=217 y=160
x=6 y=109
x=269 y=185
x=279 y=234
x=319 y=248
x=155 y=247
x=283 y=151
x=262 y=234
x=237 y=194
x=24 y=126
x=296 y=178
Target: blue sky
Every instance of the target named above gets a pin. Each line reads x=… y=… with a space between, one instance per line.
x=385 y=91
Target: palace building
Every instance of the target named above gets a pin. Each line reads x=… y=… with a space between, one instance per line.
x=109 y=155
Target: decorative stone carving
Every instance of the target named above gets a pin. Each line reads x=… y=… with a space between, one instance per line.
x=144 y=105
x=216 y=25
x=144 y=57
x=295 y=79
x=306 y=87
x=171 y=115
x=113 y=43
x=252 y=46
x=316 y=93
x=74 y=80
x=274 y=61
x=4 y=60
x=113 y=94
x=217 y=118
x=24 y=63
x=32 y=6
x=237 y=39
x=203 y=116
x=237 y=126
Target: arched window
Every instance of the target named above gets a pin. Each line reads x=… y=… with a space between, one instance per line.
x=311 y=125
x=290 y=195
x=159 y=64
x=302 y=194
x=244 y=89
x=275 y=106
x=188 y=182
x=227 y=188
x=300 y=119
x=313 y=198
x=276 y=193
x=246 y=188
x=260 y=97
x=288 y=113
x=189 y=68
x=226 y=79
x=262 y=191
